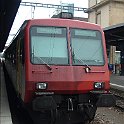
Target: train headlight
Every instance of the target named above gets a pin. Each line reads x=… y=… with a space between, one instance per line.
x=98 y=85
x=41 y=86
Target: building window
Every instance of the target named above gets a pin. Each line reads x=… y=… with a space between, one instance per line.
x=98 y=18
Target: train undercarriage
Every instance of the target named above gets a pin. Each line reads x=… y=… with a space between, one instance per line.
x=65 y=109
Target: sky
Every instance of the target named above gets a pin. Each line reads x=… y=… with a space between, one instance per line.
x=24 y=13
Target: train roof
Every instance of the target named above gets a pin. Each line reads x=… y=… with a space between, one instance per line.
x=63 y=22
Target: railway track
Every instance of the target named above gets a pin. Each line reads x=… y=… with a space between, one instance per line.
x=119 y=98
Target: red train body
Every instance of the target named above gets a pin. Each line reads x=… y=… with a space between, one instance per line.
x=60 y=62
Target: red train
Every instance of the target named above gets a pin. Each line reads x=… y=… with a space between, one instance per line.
x=59 y=66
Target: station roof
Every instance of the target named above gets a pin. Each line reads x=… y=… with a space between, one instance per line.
x=114 y=35
x=8 y=10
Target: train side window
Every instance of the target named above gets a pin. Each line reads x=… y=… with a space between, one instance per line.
x=13 y=59
x=14 y=53
x=22 y=50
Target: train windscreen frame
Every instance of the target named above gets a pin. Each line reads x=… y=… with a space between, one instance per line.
x=87 y=47
x=49 y=45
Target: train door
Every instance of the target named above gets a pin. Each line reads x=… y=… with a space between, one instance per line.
x=20 y=67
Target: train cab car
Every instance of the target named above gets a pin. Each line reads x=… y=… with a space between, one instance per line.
x=60 y=66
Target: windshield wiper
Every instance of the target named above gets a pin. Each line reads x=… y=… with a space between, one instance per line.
x=84 y=63
x=87 y=68
x=47 y=65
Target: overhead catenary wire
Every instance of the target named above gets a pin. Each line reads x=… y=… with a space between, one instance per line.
x=52 y=6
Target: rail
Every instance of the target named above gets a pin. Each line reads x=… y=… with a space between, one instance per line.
x=119 y=98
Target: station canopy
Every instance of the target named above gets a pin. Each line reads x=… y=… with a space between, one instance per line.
x=114 y=35
x=8 y=10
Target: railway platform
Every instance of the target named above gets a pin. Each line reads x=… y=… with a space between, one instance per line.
x=5 y=114
x=117 y=82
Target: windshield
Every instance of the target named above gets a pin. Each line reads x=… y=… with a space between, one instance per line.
x=87 y=47
x=49 y=45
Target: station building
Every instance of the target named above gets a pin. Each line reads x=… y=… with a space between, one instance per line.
x=110 y=15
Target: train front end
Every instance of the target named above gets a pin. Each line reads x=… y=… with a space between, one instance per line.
x=66 y=69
